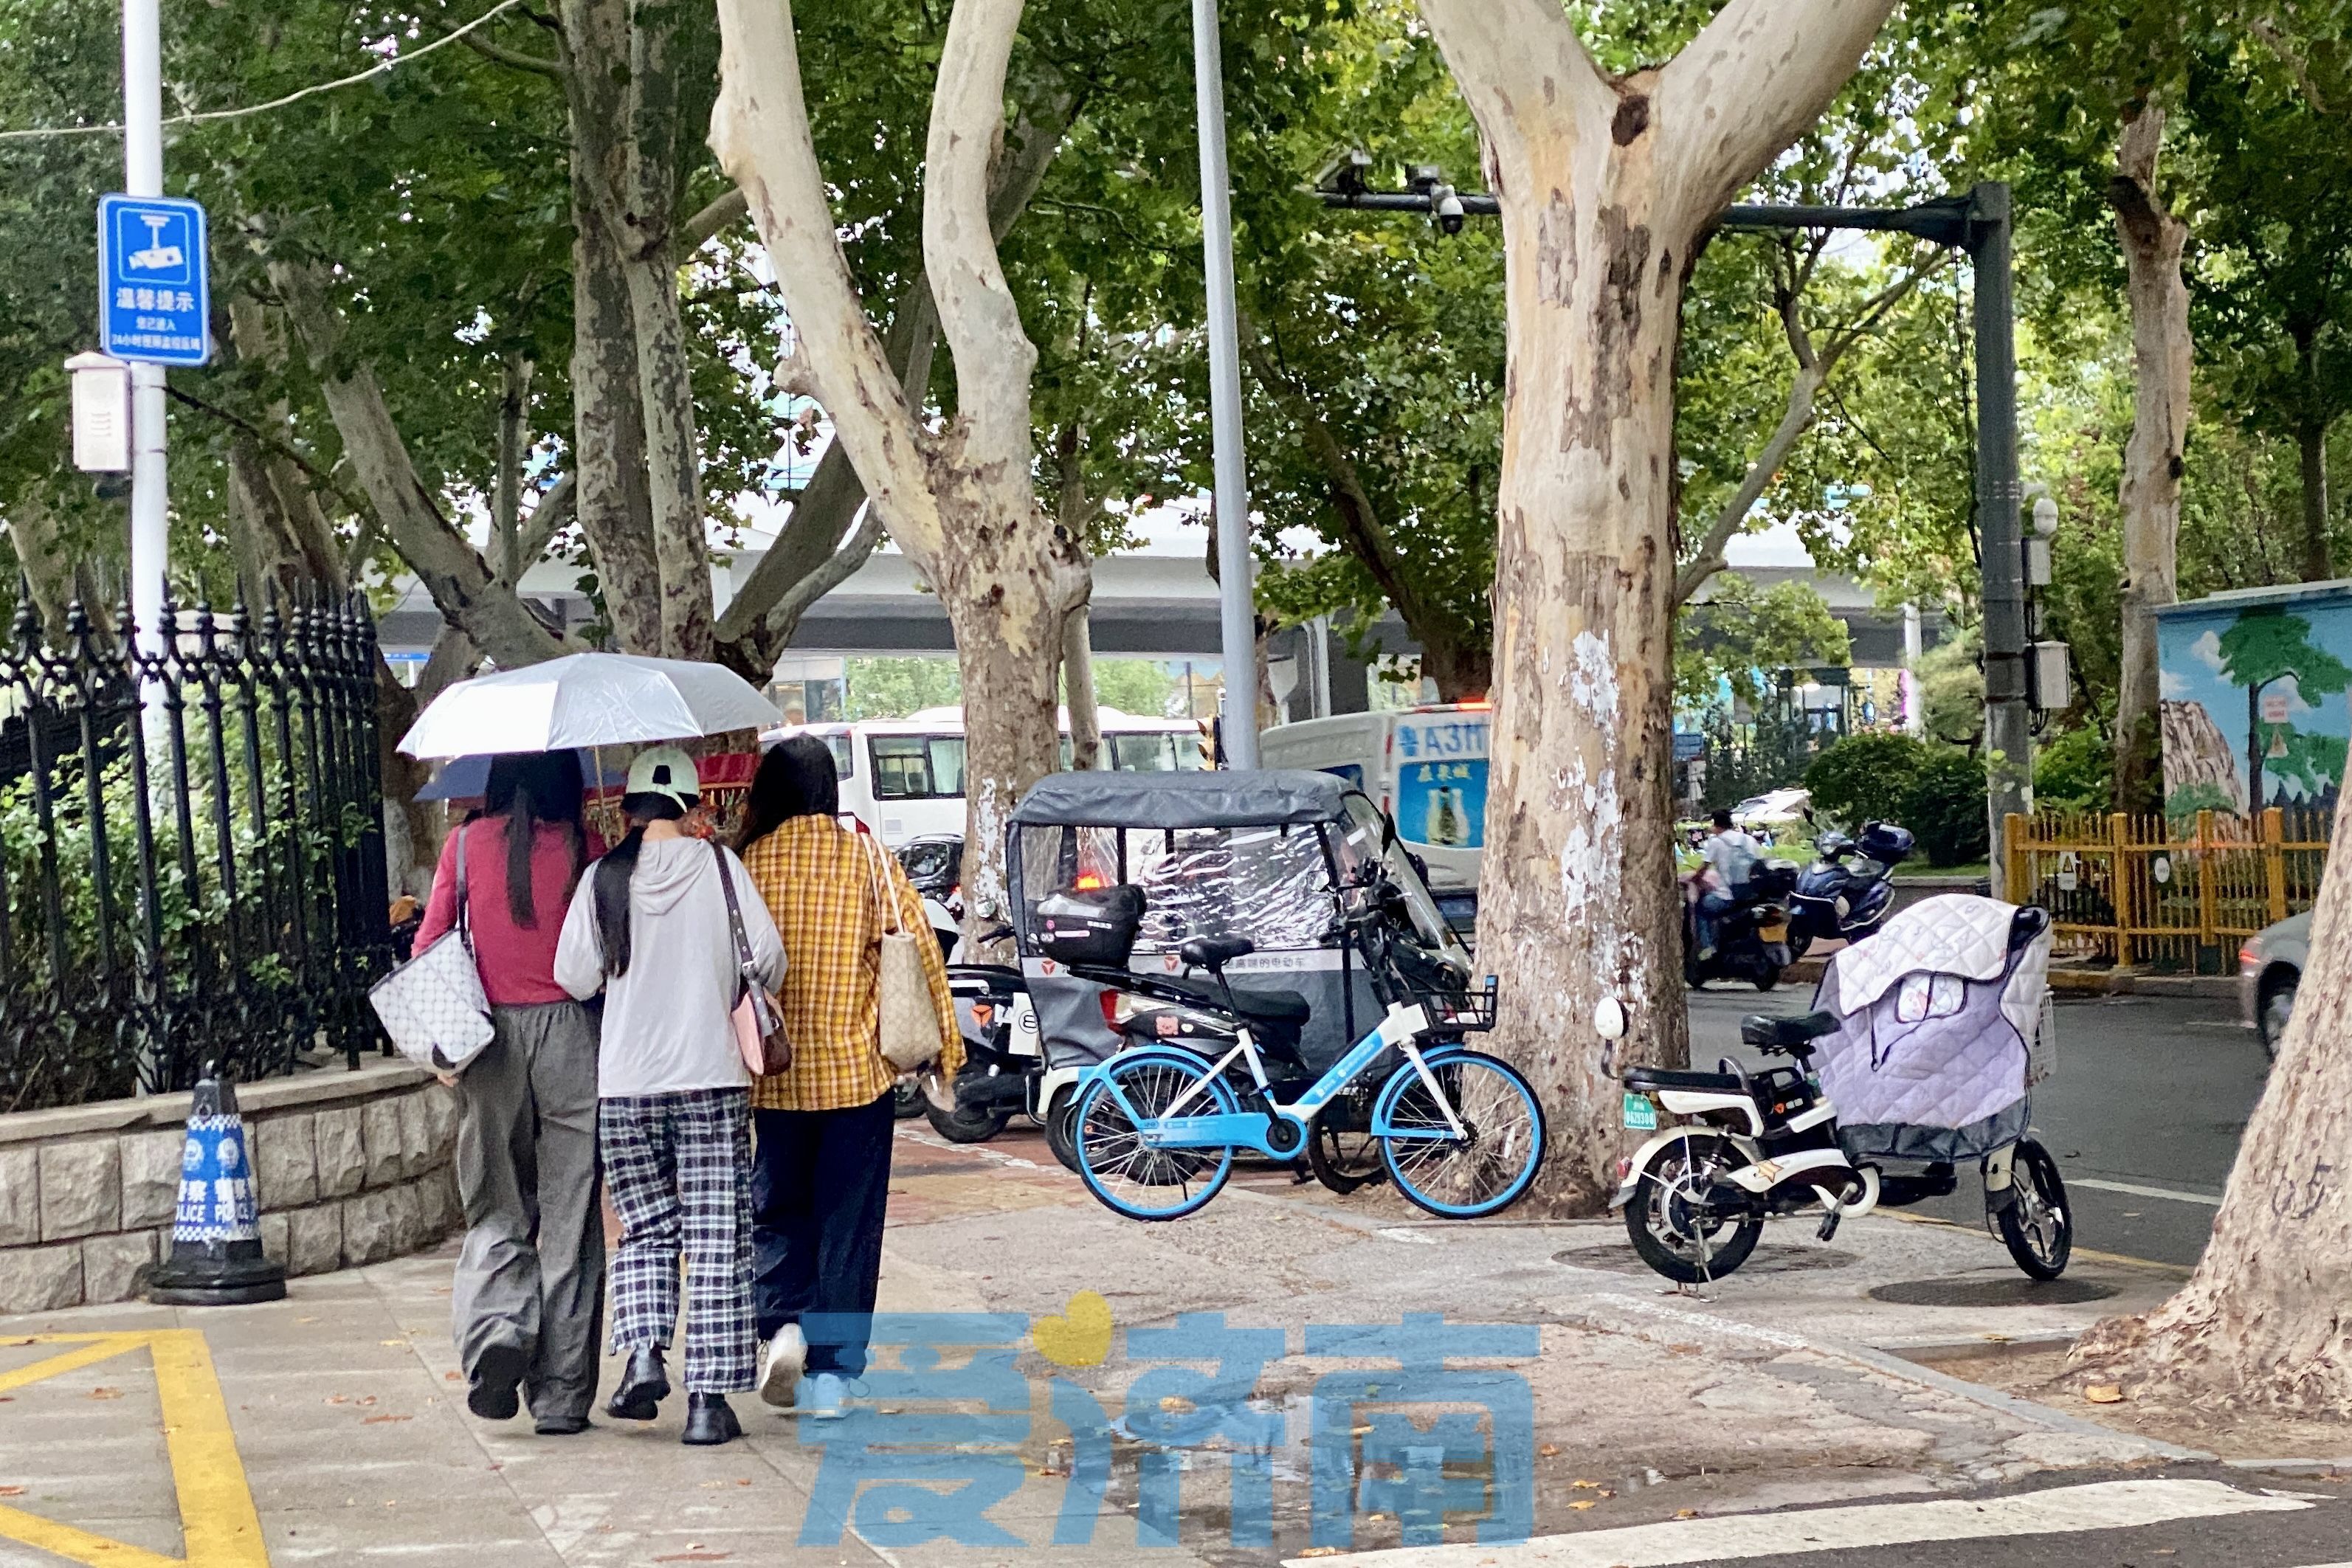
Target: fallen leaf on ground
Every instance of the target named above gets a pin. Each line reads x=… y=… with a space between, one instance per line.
x=2105 y=1393
x=1175 y=1403
x=106 y=1393
x=1549 y=1450
x=1581 y=1507
x=1685 y=1513
x=12 y=1491
x=449 y=1377
x=395 y=1343
x=380 y=1420
x=1320 y=1552
x=1682 y=1349
x=306 y=1320
x=339 y=1399
x=1588 y=1485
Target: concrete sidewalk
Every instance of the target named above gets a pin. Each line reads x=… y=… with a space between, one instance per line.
x=341 y=1414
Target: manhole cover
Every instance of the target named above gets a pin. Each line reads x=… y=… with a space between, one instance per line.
x=2016 y=1293
x=1765 y=1261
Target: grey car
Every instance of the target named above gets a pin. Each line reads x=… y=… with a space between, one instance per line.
x=2269 y=967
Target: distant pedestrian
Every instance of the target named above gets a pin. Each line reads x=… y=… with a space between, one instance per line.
x=528 y=1305
x=650 y=928
x=822 y=1182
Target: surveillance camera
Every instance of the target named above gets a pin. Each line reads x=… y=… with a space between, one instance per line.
x=1448 y=208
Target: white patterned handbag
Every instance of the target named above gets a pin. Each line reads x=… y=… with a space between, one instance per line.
x=432 y=1006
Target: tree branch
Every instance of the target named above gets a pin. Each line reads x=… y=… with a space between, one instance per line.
x=1748 y=86
x=760 y=129
x=547 y=66
x=1360 y=520
x=837 y=569
x=723 y=212
x=451 y=570
x=978 y=314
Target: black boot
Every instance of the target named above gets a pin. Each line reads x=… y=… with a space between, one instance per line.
x=497 y=1371
x=709 y=1421
x=643 y=1387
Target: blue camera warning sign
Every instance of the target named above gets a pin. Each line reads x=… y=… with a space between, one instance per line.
x=153 y=301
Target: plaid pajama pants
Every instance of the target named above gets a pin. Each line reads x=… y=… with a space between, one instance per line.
x=678 y=1168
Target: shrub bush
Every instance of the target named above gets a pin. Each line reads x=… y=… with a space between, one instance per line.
x=2074 y=772
x=1945 y=807
x=1864 y=777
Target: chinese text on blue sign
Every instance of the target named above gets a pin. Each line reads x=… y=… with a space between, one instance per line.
x=153 y=297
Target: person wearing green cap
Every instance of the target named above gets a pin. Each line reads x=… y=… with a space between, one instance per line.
x=651 y=929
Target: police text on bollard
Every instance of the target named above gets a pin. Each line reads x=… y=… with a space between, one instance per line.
x=217 y=1258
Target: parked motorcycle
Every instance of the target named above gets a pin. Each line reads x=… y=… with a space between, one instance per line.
x=1848 y=892
x=1750 y=937
x=934 y=864
x=1929 y=1046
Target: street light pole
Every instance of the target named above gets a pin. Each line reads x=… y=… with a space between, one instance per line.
x=1236 y=604
x=142 y=176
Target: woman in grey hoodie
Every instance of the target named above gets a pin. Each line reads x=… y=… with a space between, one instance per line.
x=650 y=927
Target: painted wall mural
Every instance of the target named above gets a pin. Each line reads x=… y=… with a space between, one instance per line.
x=2254 y=706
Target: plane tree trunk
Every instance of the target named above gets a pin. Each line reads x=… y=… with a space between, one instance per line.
x=2261 y=1322
x=958 y=501
x=2149 y=497
x=1606 y=187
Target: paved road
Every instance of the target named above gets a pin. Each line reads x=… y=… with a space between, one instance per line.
x=2151 y=1092
x=2185 y=1517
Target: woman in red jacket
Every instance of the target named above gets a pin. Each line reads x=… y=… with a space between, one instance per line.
x=527 y=1309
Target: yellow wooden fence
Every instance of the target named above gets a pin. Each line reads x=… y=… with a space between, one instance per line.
x=2143 y=890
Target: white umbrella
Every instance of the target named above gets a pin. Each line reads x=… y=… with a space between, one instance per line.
x=587 y=699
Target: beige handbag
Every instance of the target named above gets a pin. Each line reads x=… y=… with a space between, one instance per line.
x=909 y=1023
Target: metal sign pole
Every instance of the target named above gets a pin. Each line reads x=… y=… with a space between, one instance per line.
x=2008 y=721
x=1236 y=604
x=142 y=176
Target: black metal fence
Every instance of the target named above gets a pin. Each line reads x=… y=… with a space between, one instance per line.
x=191 y=861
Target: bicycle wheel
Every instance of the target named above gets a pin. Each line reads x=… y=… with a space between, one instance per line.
x=1129 y=1178
x=1485 y=1168
x=2037 y=1226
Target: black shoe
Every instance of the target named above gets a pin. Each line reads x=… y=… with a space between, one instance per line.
x=560 y=1425
x=709 y=1421
x=643 y=1387
x=497 y=1374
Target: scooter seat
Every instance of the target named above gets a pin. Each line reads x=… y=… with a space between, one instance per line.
x=1214 y=952
x=1769 y=1033
x=1650 y=1079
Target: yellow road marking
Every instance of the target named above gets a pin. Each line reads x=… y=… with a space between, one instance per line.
x=102 y=1347
x=218 y=1526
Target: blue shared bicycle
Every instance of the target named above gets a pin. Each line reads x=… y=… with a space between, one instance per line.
x=1459 y=1132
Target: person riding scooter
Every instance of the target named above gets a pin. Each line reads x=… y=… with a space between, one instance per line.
x=1732 y=855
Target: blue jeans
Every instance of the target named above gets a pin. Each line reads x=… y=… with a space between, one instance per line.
x=1711 y=907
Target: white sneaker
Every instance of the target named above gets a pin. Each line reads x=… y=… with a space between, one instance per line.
x=781 y=1361
x=829 y=1394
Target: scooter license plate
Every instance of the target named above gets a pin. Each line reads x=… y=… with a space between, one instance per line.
x=1641 y=1112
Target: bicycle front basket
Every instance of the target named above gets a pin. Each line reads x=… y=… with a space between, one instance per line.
x=1458 y=1011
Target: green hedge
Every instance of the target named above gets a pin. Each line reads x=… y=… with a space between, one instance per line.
x=1935 y=791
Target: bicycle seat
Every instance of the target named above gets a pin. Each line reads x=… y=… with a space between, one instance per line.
x=1639 y=1079
x=1213 y=953
x=1794 y=1035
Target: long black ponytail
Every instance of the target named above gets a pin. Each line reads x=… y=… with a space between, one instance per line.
x=612 y=875
x=528 y=789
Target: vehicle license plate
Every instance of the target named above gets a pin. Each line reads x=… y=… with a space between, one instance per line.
x=1641 y=1112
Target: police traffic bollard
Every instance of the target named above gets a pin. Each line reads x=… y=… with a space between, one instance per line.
x=217 y=1258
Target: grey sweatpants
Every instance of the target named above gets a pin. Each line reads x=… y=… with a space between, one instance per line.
x=531 y=1274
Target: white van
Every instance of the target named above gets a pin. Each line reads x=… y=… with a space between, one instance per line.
x=1426 y=767
x=903 y=779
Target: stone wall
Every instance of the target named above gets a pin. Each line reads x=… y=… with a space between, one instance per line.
x=350 y=1168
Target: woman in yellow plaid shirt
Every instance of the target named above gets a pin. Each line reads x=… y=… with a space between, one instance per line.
x=820 y=1171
